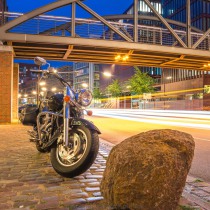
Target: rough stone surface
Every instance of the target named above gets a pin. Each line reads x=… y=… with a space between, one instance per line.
x=148 y=170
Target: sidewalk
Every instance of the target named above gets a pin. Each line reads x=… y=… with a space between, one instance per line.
x=28 y=181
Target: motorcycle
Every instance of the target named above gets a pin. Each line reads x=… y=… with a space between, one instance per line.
x=59 y=126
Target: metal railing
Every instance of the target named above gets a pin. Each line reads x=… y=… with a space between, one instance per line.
x=93 y=29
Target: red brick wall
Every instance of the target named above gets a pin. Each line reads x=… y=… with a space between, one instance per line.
x=6 y=84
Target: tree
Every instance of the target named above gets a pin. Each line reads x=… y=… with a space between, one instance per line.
x=115 y=88
x=96 y=93
x=141 y=82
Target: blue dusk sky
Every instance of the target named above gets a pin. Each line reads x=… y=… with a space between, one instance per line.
x=102 y=7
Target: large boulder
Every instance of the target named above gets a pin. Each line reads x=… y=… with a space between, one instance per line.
x=148 y=171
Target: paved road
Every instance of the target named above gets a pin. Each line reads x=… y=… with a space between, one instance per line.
x=116 y=130
x=28 y=181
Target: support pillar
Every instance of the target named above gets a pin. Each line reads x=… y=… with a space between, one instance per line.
x=8 y=86
x=91 y=77
x=15 y=92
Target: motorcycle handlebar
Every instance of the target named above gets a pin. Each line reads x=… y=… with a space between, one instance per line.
x=38 y=71
x=51 y=72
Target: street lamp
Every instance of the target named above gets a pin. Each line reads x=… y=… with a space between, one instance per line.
x=34 y=92
x=164 y=84
x=85 y=85
x=42 y=83
x=107 y=74
x=44 y=89
x=53 y=89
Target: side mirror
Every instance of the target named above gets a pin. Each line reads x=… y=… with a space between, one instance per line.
x=40 y=61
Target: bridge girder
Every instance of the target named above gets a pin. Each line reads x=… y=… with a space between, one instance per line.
x=102 y=51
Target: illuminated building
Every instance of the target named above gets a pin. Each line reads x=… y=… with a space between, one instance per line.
x=181 y=79
x=86 y=75
x=200 y=12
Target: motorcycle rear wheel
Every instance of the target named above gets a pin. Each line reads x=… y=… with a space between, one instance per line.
x=78 y=156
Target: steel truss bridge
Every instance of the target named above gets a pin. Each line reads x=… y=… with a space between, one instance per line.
x=106 y=40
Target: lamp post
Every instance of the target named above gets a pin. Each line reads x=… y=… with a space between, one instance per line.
x=128 y=87
x=108 y=75
x=164 y=85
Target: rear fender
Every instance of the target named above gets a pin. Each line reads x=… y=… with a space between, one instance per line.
x=86 y=123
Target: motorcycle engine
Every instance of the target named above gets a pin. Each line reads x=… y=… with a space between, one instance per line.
x=55 y=102
x=45 y=129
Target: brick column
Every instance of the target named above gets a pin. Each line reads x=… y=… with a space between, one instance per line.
x=6 y=84
x=15 y=92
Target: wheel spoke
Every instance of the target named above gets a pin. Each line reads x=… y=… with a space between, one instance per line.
x=72 y=154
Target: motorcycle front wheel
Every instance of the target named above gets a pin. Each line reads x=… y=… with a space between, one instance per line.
x=80 y=154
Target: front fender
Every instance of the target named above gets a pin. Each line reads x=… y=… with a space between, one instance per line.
x=86 y=123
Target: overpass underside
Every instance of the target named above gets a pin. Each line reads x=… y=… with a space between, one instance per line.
x=103 y=51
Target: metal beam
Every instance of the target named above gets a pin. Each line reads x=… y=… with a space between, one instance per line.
x=124 y=30
x=3 y=8
x=188 y=26
x=135 y=17
x=35 y=13
x=171 y=61
x=73 y=13
x=201 y=39
x=104 y=21
x=68 y=51
x=27 y=38
x=165 y=23
x=147 y=17
x=130 y=63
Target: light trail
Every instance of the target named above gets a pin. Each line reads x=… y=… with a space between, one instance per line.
x=201 y=139
x=191 y=119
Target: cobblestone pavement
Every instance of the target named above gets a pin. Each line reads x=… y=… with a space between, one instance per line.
x=28 y=181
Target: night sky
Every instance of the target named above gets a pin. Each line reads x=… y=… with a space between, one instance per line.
x=102 y=7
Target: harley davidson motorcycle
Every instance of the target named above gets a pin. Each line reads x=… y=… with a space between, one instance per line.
x=59 y=127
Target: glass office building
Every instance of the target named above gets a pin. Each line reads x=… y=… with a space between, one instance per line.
x=188 y=79
x=144 y=9
x=86 y=75
x=200 y=12
x=200 y=18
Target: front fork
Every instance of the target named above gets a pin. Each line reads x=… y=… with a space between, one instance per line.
x=66 y=116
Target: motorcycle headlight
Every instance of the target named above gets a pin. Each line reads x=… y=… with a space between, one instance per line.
x=85 y=97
